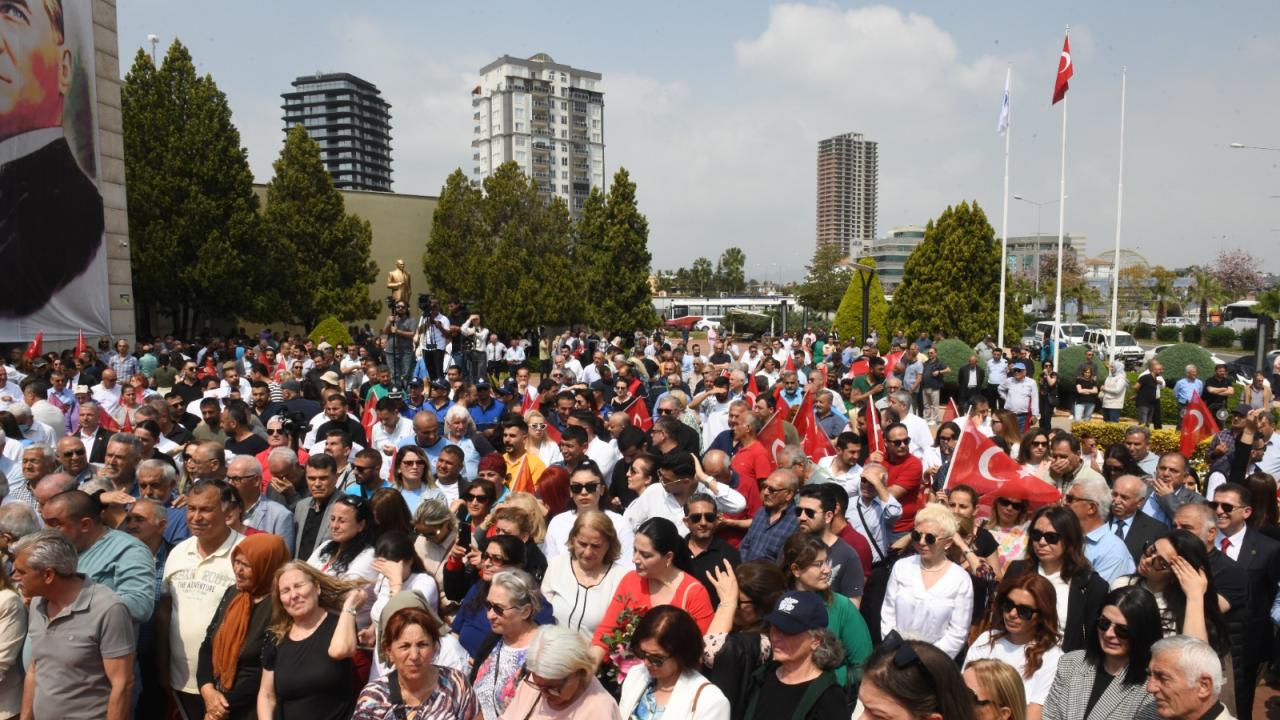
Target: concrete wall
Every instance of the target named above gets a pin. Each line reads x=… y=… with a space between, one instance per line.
x=111 y=173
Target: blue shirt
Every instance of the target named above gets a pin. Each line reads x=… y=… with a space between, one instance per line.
x=432 y=452
x=1184 y=388
x=270 y=516
x=910 y=375
x=1108 y=554
x=763 y=540
x=485 y=419
x=997 y=371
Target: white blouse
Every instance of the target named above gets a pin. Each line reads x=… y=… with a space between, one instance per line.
x=939 y=615
x=1037 y=686
x=575 y=605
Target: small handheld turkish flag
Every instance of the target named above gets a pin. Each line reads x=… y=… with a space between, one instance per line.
x=1066 y=69
x=1197 y=424
x=638 y=411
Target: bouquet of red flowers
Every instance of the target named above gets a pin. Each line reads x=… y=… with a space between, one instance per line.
x=620 y=659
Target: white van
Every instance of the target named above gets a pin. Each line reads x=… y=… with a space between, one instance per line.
x=1127 y=349
x=1068 y=333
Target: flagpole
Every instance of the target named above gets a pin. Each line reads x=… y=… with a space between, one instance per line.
x=1004 y=222
x=1062 y=219
x=1115 y=267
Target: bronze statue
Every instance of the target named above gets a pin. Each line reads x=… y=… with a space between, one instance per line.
x=399 y=283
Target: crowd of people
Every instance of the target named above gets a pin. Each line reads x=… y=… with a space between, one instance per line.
x=257 y=527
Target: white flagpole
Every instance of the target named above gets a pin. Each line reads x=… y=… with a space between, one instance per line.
x=1062 y=220
x=1004 y=222
x=1115 y=267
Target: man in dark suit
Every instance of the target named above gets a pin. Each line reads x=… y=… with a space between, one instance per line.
x=970 y=380
x=50 y=212
x=91 y=432
x=1136 y=528
x=1259 y=555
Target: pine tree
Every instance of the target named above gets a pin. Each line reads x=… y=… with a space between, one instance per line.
x=194 y=229
x=591 y=257
x=951 y=282
x=459 y=241
x=848 y=322
x=306 y=221
x=624 y=299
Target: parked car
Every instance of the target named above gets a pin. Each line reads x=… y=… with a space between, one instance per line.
x=1031 y=340
x=709 y=322
x=685 y=322
x=1069 y=333
x=1126 y=349
x=1242 y=368
x=1176 y=321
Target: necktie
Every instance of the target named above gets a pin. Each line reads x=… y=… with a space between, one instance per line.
x=1120 y=529
x=1226 y=543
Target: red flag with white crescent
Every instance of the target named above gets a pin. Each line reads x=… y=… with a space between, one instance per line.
x=1197 y=424
x=875 y=433
x=980 y=463
x=858 y=368
x=951 y=413
x=772 y=436
x=639 y=413
x=527 y=401
x=1066 y=69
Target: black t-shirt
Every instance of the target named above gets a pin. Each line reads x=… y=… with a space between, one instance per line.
x=1217 y=402
x=984 y=543
x=188 y=393
x=713 y=558
x=251 y=445
x=775 y=701
x=1148 y=390
x=720 y=358
x=310 y=684
x=1101 y=681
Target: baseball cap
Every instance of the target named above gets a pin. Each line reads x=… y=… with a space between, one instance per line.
x=507 y=388
x=440 y=384
x=484 y=385
x=1242 y=410
x=1018 y=366
x=415 y=382
x=81 y=390
x=798 y=611
x=324 y=346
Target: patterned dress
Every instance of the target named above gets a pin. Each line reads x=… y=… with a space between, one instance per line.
x=453 y=699
x=498 y=678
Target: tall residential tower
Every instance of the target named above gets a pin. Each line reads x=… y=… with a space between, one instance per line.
x=352 y=124
x=847 y=172
x=547 y=118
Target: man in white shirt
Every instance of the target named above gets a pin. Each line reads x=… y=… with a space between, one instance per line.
x=1021 y=396
x=917 y=427
x=602 y=452
x=586 y=487
x=873 y=509
x=679 y=481
x=593 y=373
x=433 y=336
x=712 y=406
x=391 y=430
x=10 y=392
x=843 y=467
x=107 y=392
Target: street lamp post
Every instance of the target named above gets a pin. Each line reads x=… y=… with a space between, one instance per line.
x=1260 y=352
x=865 y=273
x=1039 y=206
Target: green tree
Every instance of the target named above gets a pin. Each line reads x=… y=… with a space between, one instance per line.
x=194 y=229
x=701 y=275
x=325 y=250
x=459 y=243
x=1161 y=288
x=729 y=271
x=951 y=281
x=1205 y=290
x=825 y=281
x=623 y=300
x=848 y=320
x=591 y=256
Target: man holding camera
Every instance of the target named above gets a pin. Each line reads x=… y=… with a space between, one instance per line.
x=400 y=331
x=433 y=331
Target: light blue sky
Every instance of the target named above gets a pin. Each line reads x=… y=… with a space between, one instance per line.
x=716 y=107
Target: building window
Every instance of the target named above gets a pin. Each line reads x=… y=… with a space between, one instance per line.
x=564 y=161
x=519 y=126
x=520 y=140
x=520 y=155
x=564 y=174
x=564 y=189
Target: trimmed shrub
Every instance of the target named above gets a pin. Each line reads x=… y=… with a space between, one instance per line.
x=1191 y=333
x=331 y=331
x=1176 y=359
x=1142 y=331
x=955 y=353
x=1249 y=339
x=1222 y=337
x=1164 y=440
x=1167 y=333
x=1069 y=361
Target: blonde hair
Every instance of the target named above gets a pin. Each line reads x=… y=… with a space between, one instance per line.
x=332 y=593
x=523 y=508
x=598 y=521
x=1002 y=685
x=940 y=516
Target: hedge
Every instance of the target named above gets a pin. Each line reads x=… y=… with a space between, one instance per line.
x=1191 y=333
x=1176 y=359
x=1223 y=337
x=1142 y=332
x=1249 y=339
x=1069 y=361
x=1167 y=333
x=955 y=353
x=1164 y=440
x=331 y=331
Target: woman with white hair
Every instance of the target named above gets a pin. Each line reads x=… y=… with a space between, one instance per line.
x=512 y=605
x=928 y=597
x=559 y=680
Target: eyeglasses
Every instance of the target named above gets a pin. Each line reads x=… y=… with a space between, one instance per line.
x=367 y=468
x=1149 y=554
x=654 y=659
x=411 y=463
x=275 y=431
x=926 y=538
x=495 y=559
x=553 y=689
x=695 y=518
x=1009 y=502
x=1225 y=508
x=946 y=438
x=769 y=489
x=899 y=443
x=1039 y=443
x=496 y=609
x=240 y=478
x=1105 y=623
x=73 y=453
x=806 y=512
x=538 y=426
x=1026 y=612
x=1049 y=538
x=477 y=498
x=1076 y=498
x=579 y=488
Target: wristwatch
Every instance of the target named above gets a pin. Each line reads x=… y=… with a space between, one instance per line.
x=350 y=611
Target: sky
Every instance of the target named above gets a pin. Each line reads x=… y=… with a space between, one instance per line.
x=716 y=107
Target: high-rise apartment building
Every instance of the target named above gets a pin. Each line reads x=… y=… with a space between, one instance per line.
x=352 y=124
x=847 y=183
x=546 y=117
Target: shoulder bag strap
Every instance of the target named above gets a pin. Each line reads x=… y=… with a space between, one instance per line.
x=870 y=535
x=693 y=709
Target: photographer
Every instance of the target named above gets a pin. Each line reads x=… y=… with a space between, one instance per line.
x=400 y=333
x=474 y=335
x=433 y=331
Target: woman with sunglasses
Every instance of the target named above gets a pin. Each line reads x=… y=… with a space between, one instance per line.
x=1056 y=552
x=1117 y=461
x=412 y=476
x=998 y=691
x=1022 y=630
x=737 y=641
x=419 y=687
x=1107 y=679
x=1033 y=451
x=912 y=680
x=580 y=584
x=477 y=500
x=470 y=622
x=538 y=443
x=806 y=565
x=558 y=681
x=1009 y=529
x=512 y=604
x=666 y=683
x=929 y=597
x=1004 y=425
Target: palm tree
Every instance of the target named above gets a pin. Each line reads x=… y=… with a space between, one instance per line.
x=1269 y=309
x=1161 y=290
x=1206 y=290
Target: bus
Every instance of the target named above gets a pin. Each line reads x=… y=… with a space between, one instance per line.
x=1240 y=316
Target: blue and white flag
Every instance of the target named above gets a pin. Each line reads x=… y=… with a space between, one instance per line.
x=1002 y=125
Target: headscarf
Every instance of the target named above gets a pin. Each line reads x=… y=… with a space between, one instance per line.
x=399 y=601
x=265 y=553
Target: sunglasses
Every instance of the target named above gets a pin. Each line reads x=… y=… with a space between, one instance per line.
x=696 y=518
x=1039 y=443
x=275 y=431
x=1150 y=555
x=579 y=488
x=73 y=453
x=900 y=443
x=497 y=609
x=472 y=497
x=365 y=468
x=411 y=463
x=538 y=426
x=946 y=438
x=1105 y=623
x=1225 y=508
x=1009 y=502
x=926 y=538
x=495 y=559
x=806 y=512
x=654 y=659
x=1049 y=538
x=665 y=411
x=1026 y=612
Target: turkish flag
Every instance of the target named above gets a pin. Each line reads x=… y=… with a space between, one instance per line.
x=951 y=413
x=859 y=367
x=772 y=437
x=368 y=417
x=815 y=442
x=752 y=388
x=1197 y=424
x=527 y=401
x=1066 y=69
x=791 y=364
x=980 y=464
x=638 y=411
x=106 y=420
x=875 y=433
x=523 y=479
x=36 y=348
x=891 y=361
x=80 y=344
